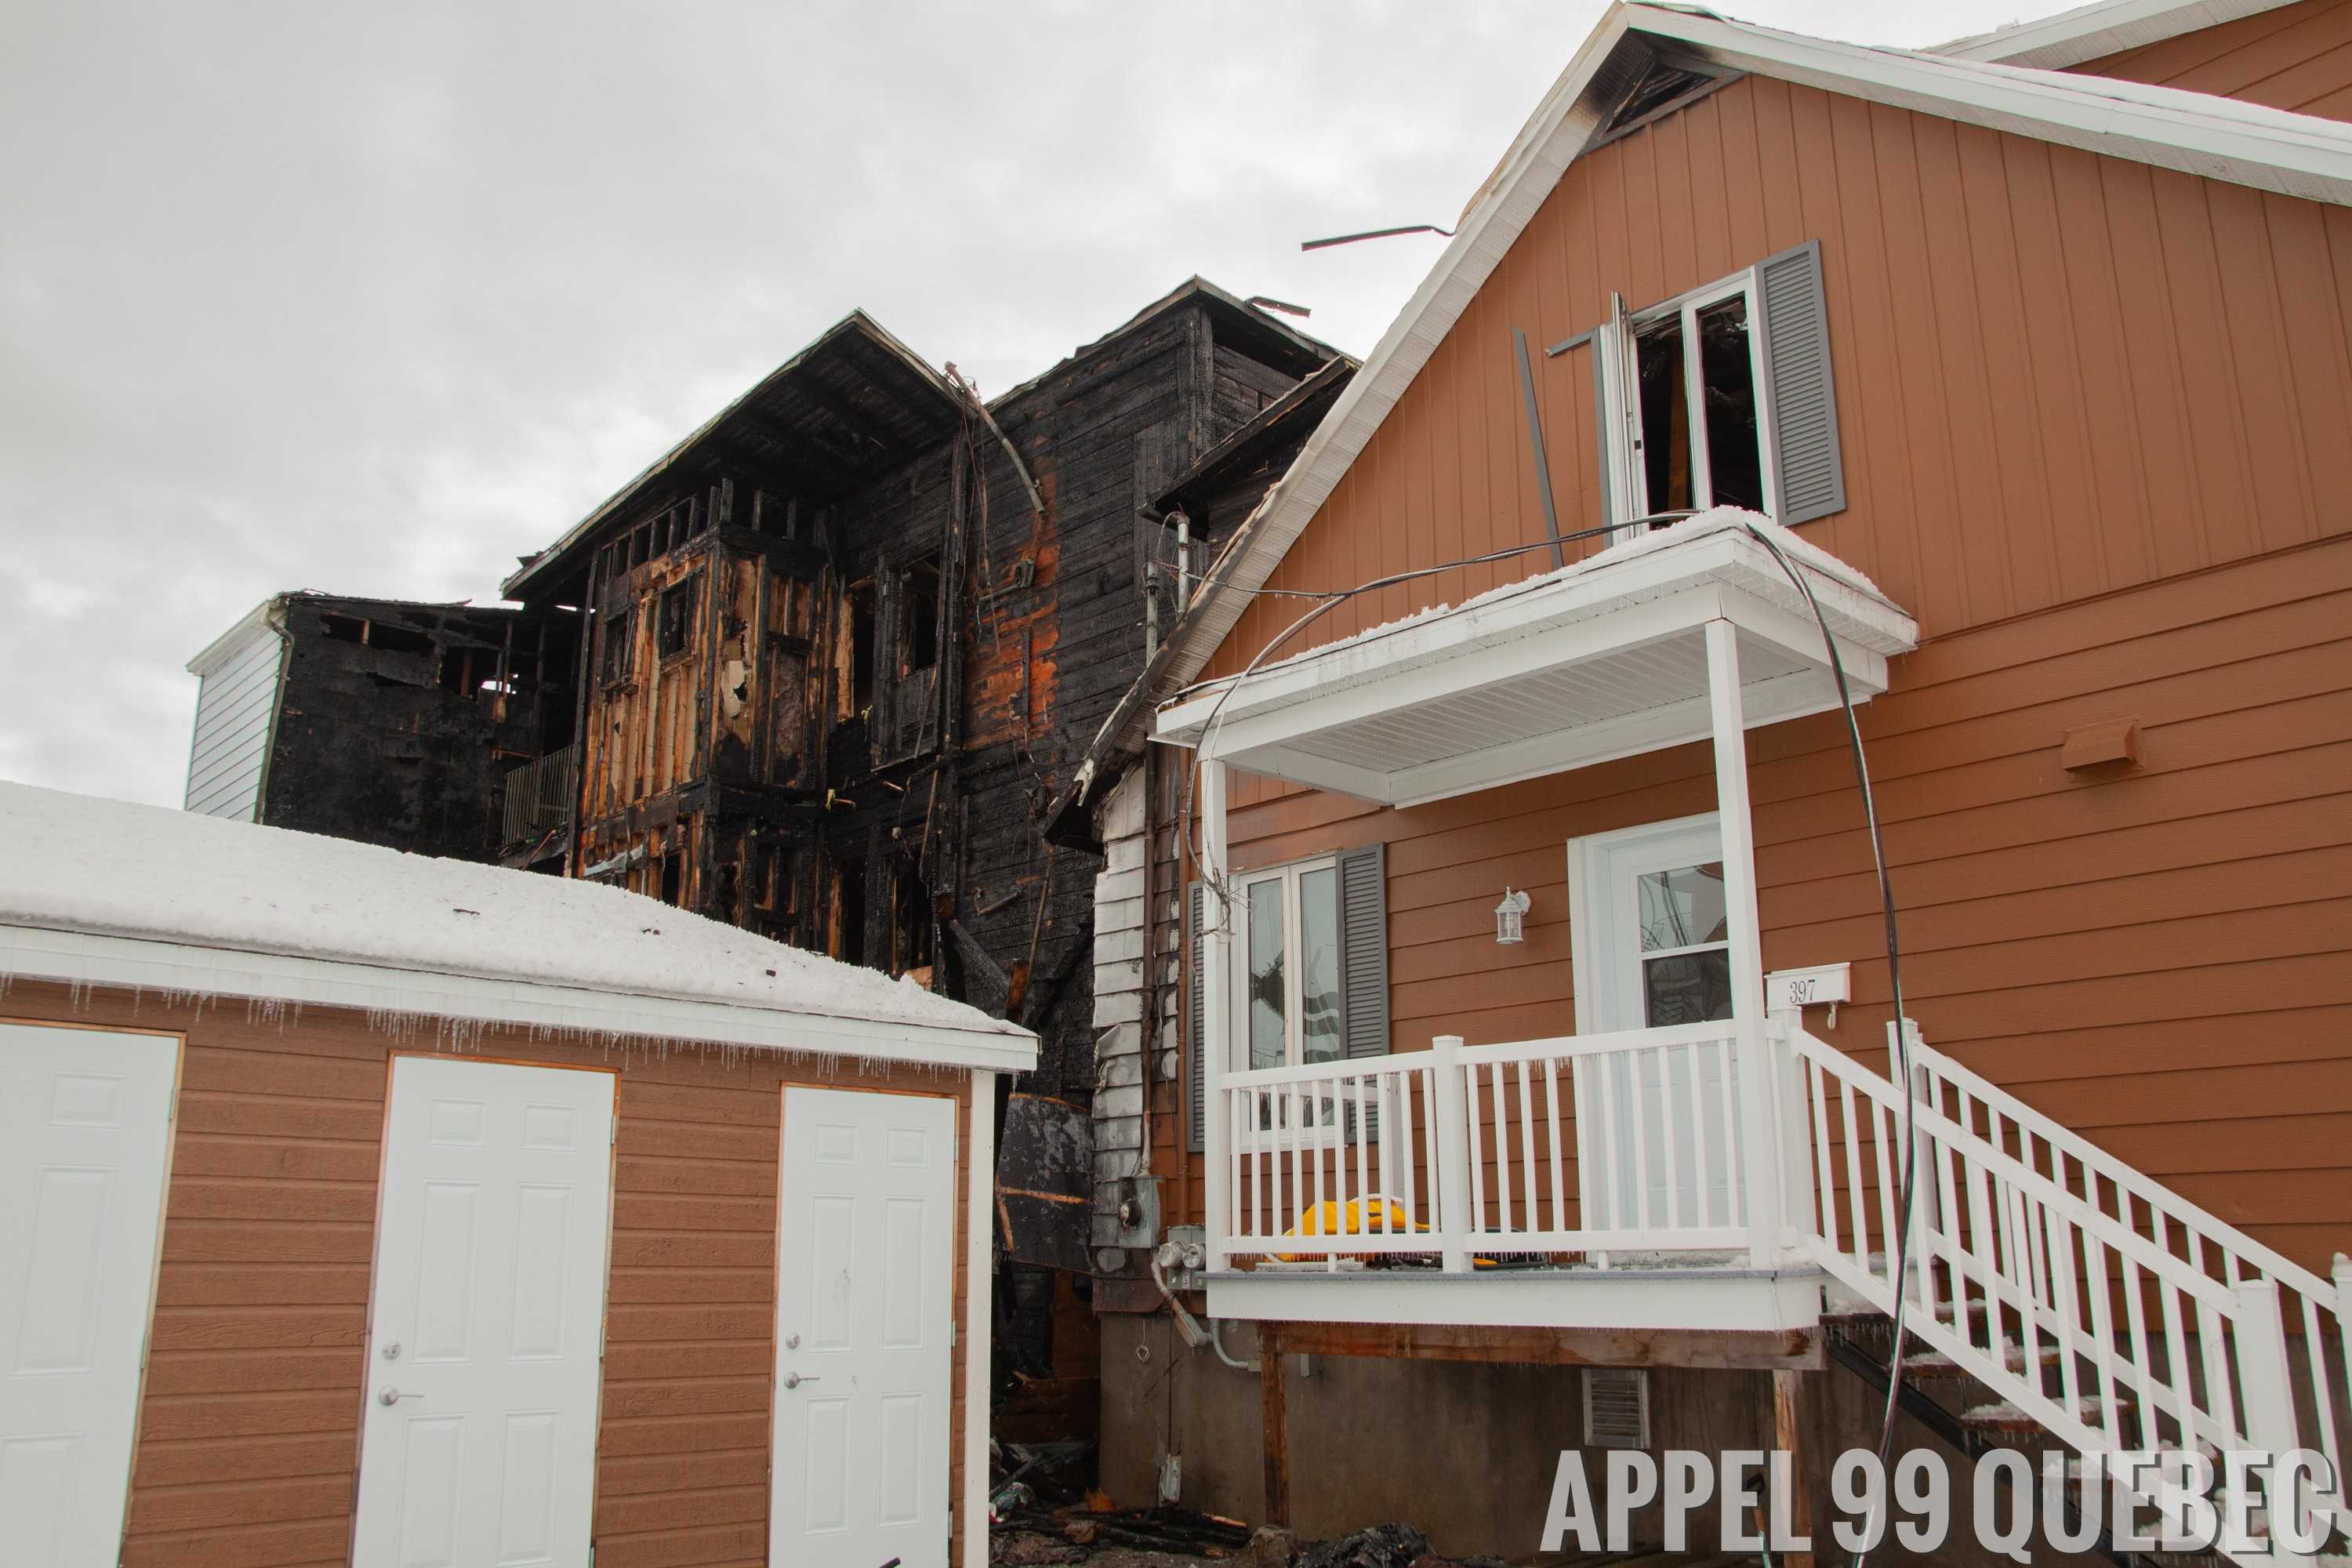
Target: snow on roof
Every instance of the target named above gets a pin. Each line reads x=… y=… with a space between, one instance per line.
x=109 y=868
x=1800 y=552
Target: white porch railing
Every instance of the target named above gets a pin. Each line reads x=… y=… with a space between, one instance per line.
x=1563 y=1151
x=2116 y=1313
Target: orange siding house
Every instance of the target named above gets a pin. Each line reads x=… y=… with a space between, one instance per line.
x=2014 y=398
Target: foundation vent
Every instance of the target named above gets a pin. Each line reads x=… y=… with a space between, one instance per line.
x=1616 y=1407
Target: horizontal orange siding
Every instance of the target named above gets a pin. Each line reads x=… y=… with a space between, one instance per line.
x=2296 y=58
x=250 y=1423
x=2162 y=960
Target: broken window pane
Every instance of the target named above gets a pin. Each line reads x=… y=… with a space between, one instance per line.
x=1318 y=962
x=1727 y=374
x=861 y=647
x=1267 y=983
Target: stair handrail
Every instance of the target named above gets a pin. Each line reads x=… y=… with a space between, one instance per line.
x=2233 y=1243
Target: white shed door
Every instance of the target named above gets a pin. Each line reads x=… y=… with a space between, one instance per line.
x=85 y=1133
x=864 y=1270
x=485 y=1335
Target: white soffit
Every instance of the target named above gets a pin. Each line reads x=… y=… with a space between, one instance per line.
x=2244 y=143
x=2091 y=32
x=1605 y=658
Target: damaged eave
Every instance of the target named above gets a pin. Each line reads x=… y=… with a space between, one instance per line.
x=916 y=381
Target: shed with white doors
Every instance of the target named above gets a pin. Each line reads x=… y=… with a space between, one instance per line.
x=376 y=1208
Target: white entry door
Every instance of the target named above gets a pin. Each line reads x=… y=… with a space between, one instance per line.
x=1657 y=953
x=484 y=1334
x=864 y=1269
x=85 y=1138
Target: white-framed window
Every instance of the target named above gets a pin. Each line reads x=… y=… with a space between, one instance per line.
x=1691 y=395
x=1722 y=395
x=1289 y=972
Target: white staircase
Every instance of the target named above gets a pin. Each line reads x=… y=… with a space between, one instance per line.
x=2096 y=1306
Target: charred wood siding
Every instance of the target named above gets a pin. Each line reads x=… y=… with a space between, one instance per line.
x=397 y=723
x=250 y=1418
x=2296 y=58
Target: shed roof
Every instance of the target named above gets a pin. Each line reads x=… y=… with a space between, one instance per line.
x=105 y=892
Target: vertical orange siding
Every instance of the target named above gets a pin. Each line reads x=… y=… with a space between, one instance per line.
x=2059 y=374
x=2296 y=58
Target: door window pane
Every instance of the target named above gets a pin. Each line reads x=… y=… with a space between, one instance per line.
x=1266 y=977
x=1318 y=966
x=1686 y=988
x=1683 y=908
x=1665 y=416
x=1734 y=458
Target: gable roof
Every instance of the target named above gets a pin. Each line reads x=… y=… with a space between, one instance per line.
x=2102 y=27
x=100 y=891
x=2296 y=154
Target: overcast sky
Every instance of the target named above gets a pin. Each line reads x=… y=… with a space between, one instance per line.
x=373 y=299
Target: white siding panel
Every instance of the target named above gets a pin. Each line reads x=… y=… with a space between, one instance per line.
x=237 y=705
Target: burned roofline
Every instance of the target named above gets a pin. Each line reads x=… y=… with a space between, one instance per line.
x=1264 y=337
x=922 y=392
x=1276 y=424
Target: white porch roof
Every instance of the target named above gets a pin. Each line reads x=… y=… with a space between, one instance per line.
x=1604 y=658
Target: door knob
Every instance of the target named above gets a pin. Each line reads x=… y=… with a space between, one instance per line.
x=391 y=1350
x=392 y=1395
x=793 y=1380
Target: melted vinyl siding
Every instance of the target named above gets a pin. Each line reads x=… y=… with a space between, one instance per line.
x=2058 y=374
x=236 y=709
x=2296 y=58
x=249 y=1420
x=2162 y=961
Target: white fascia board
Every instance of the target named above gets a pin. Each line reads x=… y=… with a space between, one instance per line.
x=2090 y=32
x=2293 y=154
x=134 y=964
x=1551 y=139
x=221 y=647
x=1693 y=1298
x=1555 y=620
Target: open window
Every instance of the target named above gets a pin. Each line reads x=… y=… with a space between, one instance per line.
x=861 y=647
x=1722 y=396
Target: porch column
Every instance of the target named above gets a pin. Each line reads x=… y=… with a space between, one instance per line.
x=1216 y=1010
x=1762 y=1165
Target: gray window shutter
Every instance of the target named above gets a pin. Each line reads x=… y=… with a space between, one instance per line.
x=1796 y=353
x=1364 y=950
x=1194 y=1004
x=1364 y=962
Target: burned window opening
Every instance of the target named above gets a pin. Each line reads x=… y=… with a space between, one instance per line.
x=849 y=912
x=861 y=647
x=673 y=877
x=911 y=921
x=1705 y=450
x=675 y=632
x=616 y=656
x=919 y=599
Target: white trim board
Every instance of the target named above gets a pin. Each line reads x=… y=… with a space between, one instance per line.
x=2106 y=28
x=2216 y=137
x=168 y=968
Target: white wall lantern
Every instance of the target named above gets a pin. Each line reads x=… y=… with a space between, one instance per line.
x=1511 y=917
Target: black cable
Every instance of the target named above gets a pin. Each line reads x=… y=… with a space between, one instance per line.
x=1901 y=1050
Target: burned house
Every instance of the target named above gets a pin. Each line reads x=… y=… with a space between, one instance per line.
x=393 y=723
x=846 y=644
